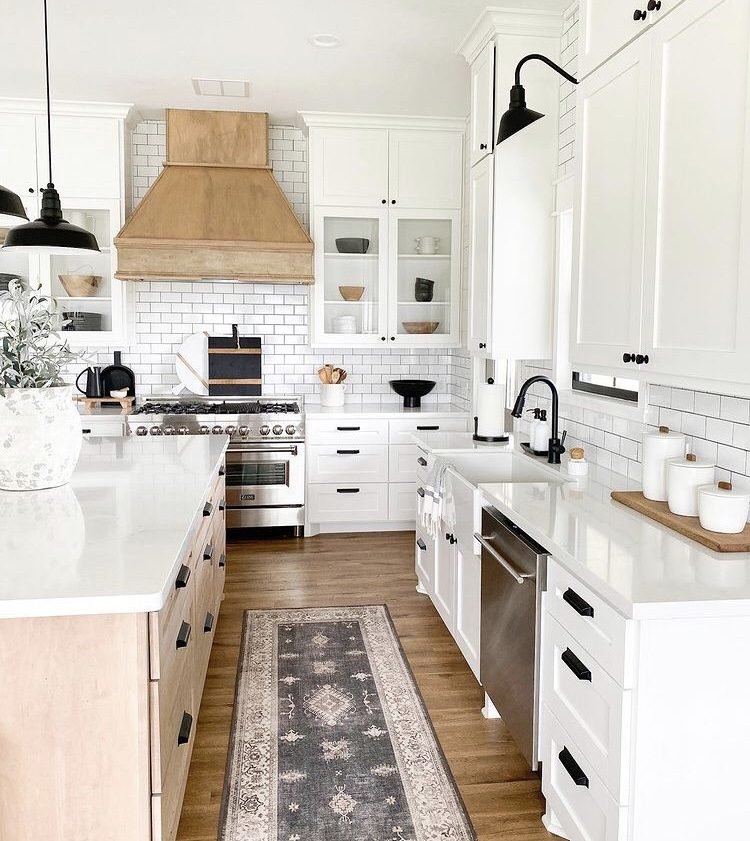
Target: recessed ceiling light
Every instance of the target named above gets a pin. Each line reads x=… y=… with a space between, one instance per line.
x=326 y=41
x=222 y=87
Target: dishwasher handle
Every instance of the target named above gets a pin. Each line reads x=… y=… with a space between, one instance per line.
x=519 y=576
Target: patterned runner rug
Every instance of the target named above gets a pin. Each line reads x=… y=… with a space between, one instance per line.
x=331 y=740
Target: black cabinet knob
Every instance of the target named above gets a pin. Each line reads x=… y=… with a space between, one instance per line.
x=628 y=357
x=639 y=15
x=31 y=190
x=393 y=338
x=382 y=338
x=393 y=201
x=183 y=576
x=384 y=201
x=482 y=345
x=639 y=357
x=482 y=145
x=654 y=5
x=208 y=552
x=222 y=561
x=207 y=509
x=208 y=624
x=186 y=725
x=183 y=637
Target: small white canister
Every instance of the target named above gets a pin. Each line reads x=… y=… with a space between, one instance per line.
x=658 y=448
x=722 y=509
x=684 y=477
x=332 y=394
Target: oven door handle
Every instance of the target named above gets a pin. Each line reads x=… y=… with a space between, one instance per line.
x=245 y=449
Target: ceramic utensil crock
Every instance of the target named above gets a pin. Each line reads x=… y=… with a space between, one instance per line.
x=723 y=509
x=658 y=447
x=684 y=477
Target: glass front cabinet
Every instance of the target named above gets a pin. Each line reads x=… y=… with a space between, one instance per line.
x=386 y=277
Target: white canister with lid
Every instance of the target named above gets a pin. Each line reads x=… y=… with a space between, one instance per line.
x=684 y=477
x=658 y=448
x=723 y=509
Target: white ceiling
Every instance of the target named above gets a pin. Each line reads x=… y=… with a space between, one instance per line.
x=398 y=56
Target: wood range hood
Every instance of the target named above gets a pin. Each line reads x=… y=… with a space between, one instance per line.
x=215 y=212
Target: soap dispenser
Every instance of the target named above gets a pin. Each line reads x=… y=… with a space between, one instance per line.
x=542 y=433
x=534 y=423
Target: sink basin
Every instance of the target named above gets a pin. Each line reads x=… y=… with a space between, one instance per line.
x=478 y=466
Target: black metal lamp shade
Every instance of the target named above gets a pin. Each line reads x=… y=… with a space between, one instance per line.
x=50 y=232
x=518 y=116
x=11 y=206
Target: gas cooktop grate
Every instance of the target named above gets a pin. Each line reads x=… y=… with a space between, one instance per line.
x=255 y=407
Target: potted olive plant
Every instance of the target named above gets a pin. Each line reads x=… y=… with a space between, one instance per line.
x=40 y=428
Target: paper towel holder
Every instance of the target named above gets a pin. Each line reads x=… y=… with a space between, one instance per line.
x=488 y=439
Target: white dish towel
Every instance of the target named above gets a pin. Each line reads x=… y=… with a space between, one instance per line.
x=431 y=506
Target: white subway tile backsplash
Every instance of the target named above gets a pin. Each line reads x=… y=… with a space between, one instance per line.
x=735 y=409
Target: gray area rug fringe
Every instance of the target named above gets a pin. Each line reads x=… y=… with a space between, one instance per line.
x=330 y=737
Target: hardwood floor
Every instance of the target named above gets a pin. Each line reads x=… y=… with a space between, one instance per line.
x=502 y=796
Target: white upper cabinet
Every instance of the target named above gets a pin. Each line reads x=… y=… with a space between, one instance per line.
x=482 y=124
x=481 y=203
x=18 y=159
x=611 y=182
x=349 y=166
x=425 y=169
x=697 y=276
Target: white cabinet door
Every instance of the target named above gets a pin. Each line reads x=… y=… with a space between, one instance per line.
x=425 y=169
x=483 y=104
x=610 y=191
x=424 y=561
x=481 y=203
x=349 y=167
x=86 y=156
x=697 y=275
x=444 y=598
x=605 y=27
x=468 y=603
x=18 y=160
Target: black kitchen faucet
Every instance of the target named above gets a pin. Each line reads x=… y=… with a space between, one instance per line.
x=555 y=449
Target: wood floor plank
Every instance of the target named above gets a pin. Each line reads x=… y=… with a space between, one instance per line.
x=502 y=796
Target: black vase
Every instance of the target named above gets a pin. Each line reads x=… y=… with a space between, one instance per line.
x=423 y=289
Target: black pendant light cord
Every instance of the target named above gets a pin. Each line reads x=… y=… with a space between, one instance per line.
x=49 y=104
x=538 y=57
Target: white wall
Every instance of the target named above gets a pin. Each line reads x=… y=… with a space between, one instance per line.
x=167 y=312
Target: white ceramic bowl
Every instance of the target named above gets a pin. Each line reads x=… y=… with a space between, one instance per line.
x=684 y=477
x=722 y=509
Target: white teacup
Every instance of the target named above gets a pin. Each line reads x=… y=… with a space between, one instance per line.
x=426 y=245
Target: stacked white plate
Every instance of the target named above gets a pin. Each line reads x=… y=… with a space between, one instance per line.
x=344 y=324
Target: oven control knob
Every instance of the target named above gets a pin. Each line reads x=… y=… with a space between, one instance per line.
x=230 y=429
x=155 y=430
x=141 y=430
x=217 y=430
x=291 y=429
x=203 y=429
x=183 y=430
x=265 y=429
x=278 y=429
x=169 y=430
x=243 y=430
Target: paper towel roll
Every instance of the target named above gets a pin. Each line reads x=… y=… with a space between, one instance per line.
x=491 y=410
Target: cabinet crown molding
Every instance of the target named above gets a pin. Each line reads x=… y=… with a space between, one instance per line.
x=67 y=108
x=325 y=119
x=496 y=21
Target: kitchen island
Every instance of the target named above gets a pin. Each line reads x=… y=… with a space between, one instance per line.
x=110 y=589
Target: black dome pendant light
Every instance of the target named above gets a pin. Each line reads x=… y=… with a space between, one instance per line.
x=11 y=207
x=518 y=116
x=50 y=232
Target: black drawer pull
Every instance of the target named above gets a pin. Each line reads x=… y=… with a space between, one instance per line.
x=222 y=561
x=208 y=625
x=347 y=452
x=422 y=545
x=573 y=768
x=348 y=428
x=186 y=725
x=183 y=576
x=183 y=637
x=347 y=490
x=208 y=552
x=207 y=509
x=222 y=470
x=581 y=606
x=428 y=428
x=581 y=671
x=420 y=491
x=222 y=505
x=422 y=461
x=86 y=431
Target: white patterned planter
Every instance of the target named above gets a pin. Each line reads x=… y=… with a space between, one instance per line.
x=40 y=437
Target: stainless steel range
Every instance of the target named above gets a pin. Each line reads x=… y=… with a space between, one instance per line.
x=265 y=476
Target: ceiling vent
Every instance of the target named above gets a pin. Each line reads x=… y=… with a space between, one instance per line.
x=238 y=88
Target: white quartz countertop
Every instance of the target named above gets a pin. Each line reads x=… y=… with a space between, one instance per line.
x=641 y=568
x=110 y=541
x=383 y=410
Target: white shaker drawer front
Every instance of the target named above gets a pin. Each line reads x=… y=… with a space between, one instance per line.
x=348 y=503
x=576 y=797
x=358 y=462
x=402 y=502
x=594 y=709
x=403 y=463
x=592 y=623
x=342 y=432
x=99 y=429
x=402 y=429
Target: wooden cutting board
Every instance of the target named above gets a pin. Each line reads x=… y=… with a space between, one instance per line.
x=686 y=526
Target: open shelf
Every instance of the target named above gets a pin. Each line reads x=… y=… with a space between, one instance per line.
x=339 y=256
x=424 y=256
x=424 y=303
x=89 y=298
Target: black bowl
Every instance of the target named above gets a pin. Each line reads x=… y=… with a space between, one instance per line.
x=412 y=391
x=352 y=245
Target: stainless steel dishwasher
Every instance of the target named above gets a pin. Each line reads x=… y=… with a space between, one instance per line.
x=514 y=575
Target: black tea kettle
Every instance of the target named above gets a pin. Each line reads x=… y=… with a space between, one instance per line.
x=94 y=382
